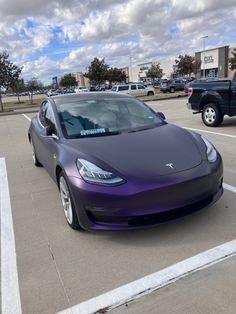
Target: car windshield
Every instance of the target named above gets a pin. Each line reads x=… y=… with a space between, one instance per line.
x=103 y=117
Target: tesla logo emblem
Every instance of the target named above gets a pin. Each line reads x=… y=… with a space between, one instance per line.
x=170 y=165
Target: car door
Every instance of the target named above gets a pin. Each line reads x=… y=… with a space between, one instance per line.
x=176 y=84
x=232 y=93
x=47 y=146
x=123 y=89
x=141 y=90
x=133 y=90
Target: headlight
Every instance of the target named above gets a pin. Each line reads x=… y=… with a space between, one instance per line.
x=211 y=152
x=93 y=174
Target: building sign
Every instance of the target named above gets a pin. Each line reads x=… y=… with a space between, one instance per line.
x=208 y=59
x=54 y=80
x=143 y=69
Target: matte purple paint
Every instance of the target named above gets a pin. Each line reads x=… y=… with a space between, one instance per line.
x=154 y=191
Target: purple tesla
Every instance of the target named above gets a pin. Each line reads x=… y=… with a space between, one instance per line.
x=119 y=165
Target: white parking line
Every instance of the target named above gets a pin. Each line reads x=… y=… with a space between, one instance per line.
x=155 y=281
x=210 y=132
x=229 y=187
x=27 y=117
x=10 y=294
x=160 y=279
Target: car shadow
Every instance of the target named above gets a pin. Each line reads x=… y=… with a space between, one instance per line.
x=228 y=122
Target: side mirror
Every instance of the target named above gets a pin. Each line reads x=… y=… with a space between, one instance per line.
x=161 y=114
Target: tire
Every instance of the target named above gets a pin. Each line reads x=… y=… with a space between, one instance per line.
x=34 y=156
x=211 y=115
x=172 y=90
x=150 y=93
x=67 y=203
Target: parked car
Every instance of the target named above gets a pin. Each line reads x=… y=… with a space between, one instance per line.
x=213 y=99
x=52 y=92
x=172 y=86
x=119 y=165
x=100 y=87
x=92 y=88
x=134 y=89
x=81 y=89
x=189 y=84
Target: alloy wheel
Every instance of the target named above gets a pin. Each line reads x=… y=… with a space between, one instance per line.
x=66 y=200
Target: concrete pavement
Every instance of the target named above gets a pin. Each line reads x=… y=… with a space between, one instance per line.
x=59 y=267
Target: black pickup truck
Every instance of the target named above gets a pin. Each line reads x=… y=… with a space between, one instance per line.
x=213 y=99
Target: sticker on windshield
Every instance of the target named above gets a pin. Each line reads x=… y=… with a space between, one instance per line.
x=92 y=131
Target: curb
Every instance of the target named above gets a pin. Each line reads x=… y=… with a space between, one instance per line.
x=15 y=112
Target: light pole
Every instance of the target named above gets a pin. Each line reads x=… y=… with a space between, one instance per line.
x=203 y=38
x=131 y=70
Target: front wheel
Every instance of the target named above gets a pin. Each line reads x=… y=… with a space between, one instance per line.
x=34 y=156
x=211 y=115
x=67 y=203
x=172 y=90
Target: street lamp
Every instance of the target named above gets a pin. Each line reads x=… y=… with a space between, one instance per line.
x=131 y=70
x=203 y=38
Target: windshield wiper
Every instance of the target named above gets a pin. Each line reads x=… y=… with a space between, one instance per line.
x=142 y=128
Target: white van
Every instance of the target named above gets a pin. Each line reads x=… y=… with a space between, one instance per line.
x=134 y=89
x=81 y=89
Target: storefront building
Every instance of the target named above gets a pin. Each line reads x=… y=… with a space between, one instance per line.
x=214 y=62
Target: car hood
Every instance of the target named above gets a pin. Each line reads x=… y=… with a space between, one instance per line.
x=159 y=151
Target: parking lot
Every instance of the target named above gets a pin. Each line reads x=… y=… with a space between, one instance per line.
x=59 y=268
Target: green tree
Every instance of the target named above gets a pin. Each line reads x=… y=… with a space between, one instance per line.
x=33 y=85
x=232 y=60
x=68 y=81
x=9 y=72
x=155 y=71
x=186 y=65
x=97 y=71
x=196 y=66
x=115 y=75
x=18 y=86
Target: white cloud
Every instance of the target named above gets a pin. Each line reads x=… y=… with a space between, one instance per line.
x=149 y=30
x=183 y=9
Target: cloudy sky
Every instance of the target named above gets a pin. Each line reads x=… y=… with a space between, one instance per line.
x=50 y=38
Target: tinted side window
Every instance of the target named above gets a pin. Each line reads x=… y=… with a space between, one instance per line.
x=177 y=82
x=42 y=114
x=133 y=87
x=141 y=87
x=46 y=115
x=125 y=87
x=49 y=115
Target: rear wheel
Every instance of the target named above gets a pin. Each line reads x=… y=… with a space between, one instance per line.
x=150 y=93
x=211 y=115
x=67 y=203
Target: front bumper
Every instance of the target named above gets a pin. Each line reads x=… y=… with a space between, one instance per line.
x=138 y=204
